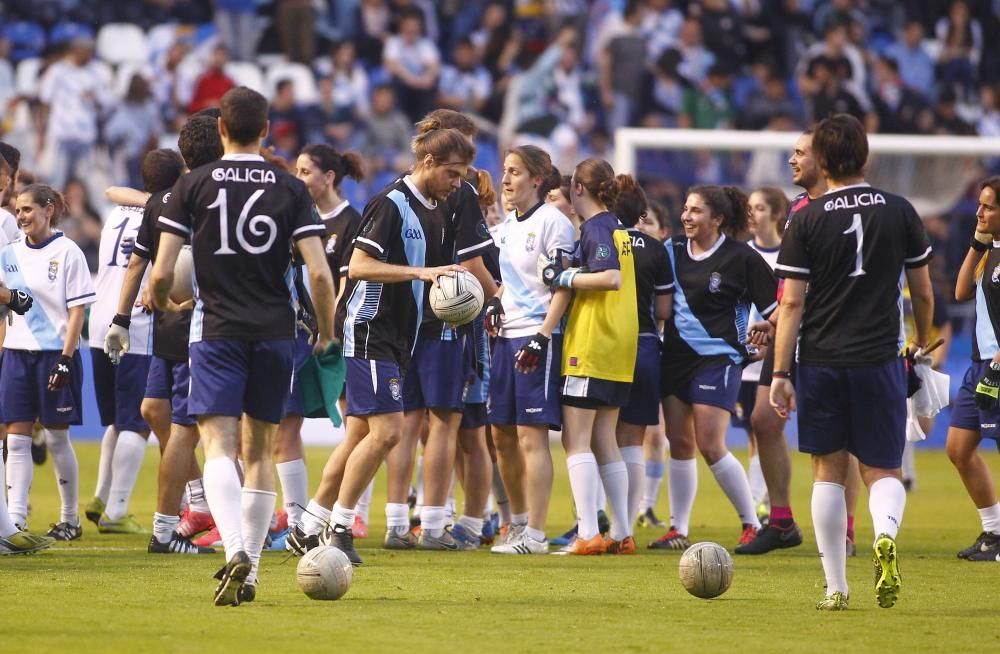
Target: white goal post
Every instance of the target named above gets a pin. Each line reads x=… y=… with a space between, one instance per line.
x=932 y=171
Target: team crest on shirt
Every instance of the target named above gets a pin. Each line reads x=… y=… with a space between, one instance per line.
x=394 y=389
x=529 y=243
x=53 y=270
x=484 y=231
x=603 y=252
x=714 y=282
x=995 y=277
x=367 y=227
x=331 y=244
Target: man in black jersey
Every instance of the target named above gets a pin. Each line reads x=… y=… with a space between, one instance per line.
x=243 y=215
x=167 y=385
x=399 y=249
x=851 y=246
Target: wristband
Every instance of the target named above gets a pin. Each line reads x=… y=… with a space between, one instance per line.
x=979 y=246
x=122 y=321
x=781 y=374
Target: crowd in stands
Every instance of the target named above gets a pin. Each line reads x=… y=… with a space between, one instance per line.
x=84 y=80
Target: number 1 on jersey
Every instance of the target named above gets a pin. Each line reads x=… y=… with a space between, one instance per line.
x=856 y=228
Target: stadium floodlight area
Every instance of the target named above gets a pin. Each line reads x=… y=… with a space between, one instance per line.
x=933 y=172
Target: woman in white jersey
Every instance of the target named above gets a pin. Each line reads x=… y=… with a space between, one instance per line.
x=768 y=212
x=525 y=316
x=42 y=376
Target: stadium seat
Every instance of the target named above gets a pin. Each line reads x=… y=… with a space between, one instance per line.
x=302 y=78
x=246 y=74
x=26 y=76
x=26 y=40
x=66 y=32
x=121 y=42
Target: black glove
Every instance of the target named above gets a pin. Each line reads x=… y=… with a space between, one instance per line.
x=59 y=375
x=19 y=302
x=529 y=356
x=988 y=389
x=913 y=382
x=307 y=323
x=494 y=309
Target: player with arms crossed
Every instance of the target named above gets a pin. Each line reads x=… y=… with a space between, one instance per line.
x=399 y=248
x=974 y=410
x=851 y=246
x=243 y=215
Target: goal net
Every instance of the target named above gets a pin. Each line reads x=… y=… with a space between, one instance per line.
x=932 y=172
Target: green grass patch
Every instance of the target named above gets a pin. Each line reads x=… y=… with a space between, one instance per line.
x=105 y=594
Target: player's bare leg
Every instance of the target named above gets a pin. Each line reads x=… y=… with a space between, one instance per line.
x=399 y=472
x=476 y=476
x=963 y=451
x=439 y=462
x=511 y=466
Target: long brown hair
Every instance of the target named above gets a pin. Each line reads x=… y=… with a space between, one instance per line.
x=598 y=178
x=42 y=195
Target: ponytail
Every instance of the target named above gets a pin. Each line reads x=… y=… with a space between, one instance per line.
x=631 y=204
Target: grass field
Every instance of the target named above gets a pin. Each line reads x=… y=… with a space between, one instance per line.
x=104 y=593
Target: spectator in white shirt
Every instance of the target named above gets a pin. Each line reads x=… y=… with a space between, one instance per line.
x=414 y=63
x=73 y=98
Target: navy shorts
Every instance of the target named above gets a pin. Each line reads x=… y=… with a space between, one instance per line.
x=859 y=409
x=171 y=380
x=518 y=398
x=373 y=387
x=120 y=389
x=643 y=407
x=964 y=412
x=745 y=403
x=293 y=403
x=715 y=386
x=473 y=416
x=436 y=375
x=230 y=378
x=24 y=392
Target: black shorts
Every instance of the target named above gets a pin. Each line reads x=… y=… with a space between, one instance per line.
x=593 y=393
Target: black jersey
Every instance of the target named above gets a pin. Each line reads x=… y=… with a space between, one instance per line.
x=713 y=293
x=466 y=237
x=653 y=277
x=987 y=331
x=399 y=226
x=242 y=214
x=170 y=330
x=851 y=245
x=341 y=227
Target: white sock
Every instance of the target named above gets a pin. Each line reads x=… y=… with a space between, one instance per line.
x=758 y=487
x=433 y=519
x=129 y=451
x=7 y=527
x=602 y=498
x=294 y=488
x=518 y=518
x=654 y=478
x=829 y=515
x=108 y=442
x=196 y=496
x=420 y=485
x=909 y=460
x=164 y=526
x=584 y=480
x=636 y=466
x=471 y=524
x=67 y=473
x=990 y=517
x=365 y=502
x=535 y=534
x=397 y=516
x=315 y=518
x=225 y=500
x=614 y=479
x=20 y=472
x=342 y=516
x=258 y=505
x=886 y=501
x=682 y=484
x=506 y=517
x=733 y=481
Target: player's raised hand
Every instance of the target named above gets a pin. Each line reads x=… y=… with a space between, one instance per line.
x=782 y=396
x=494 y=315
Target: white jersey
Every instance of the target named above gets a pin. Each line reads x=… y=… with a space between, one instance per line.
x=122 y=223
x=55 y=274
x=540 y=232
x=9 y=231
x=752 y=372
